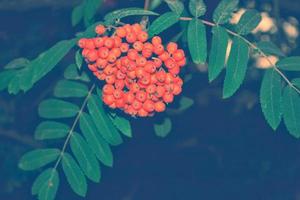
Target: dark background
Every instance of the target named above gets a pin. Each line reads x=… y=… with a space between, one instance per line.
x=218 y=149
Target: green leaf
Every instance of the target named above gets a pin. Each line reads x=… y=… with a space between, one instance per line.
x=296 y=82
x=75 y=176
x=77 y=14
x=269 y=48
x=90 y=10
x=14 y=85
x=72 y=73
x=162 y=23
x=218 y=52
x=289 y=64
x=78 y=59
x=51 y=130
x=176 y=6
x=248 y=22
x=224 y=11
x=38 y=158
x=197 y=41
x=236 y=67
x=85 y=157
x=100 y=148
x=17 y=63
x=162 y=130
x=55 y=109
x=44 y=63
x=122 y=124
x=89 y=32
x=5 y=78
x=197 y=8
x=46 y=185
x=65 y=89
x=185 y=103
x=102 y=122
x=111 y=17
x=291 y=111
x=270 y=98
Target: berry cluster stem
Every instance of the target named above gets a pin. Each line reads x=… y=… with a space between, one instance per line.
x=254 y=47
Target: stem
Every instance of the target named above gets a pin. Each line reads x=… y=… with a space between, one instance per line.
x=254 y=47
x=71 y=133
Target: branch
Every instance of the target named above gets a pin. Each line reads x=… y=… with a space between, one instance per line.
x=254 y=47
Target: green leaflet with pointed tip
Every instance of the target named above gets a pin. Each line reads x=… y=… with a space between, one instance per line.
x=270 y=98
x=248 y=22
x=55 y=109
x=162 y=130
x=85 y=157
x=14 y=86
x=5 y=78
x=45 y=188
x=77 y=14
x=38 y=158
x=17 y=63
x=51 y=130
x=66 y=88
x=90 y=8
x=162 y=23
x=224 y=10
x=72 y=73
x=111 y=17
x=290 y=63
x=218 y=52
x=197 y=41
x=74 y=175
x=78 y=59
x=123 y=125
x=269 y=48
x=176 y=6
x=103 y=124
x=185 y=103
x=100 y=147
x=296 y=82
x=44 y=63
x=197 y=8
x=236 y=67
x=291 y=111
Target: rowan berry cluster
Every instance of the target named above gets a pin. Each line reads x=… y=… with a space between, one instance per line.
x=141 y=76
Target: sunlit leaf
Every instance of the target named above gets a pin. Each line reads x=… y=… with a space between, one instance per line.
x=291 y=111
x=162 y=130
x=236 y=67
x=123 y=125
x=41 y=180
x=269 y=48
x=85 y=157
x=72 y=73
x=51 y=130
x=100 y=148
x=5 y=78
x=78 y=59
x=54 y=109
x=218 y=52
x=111 y=17
x=66 y=88
x=46 y=185
x=38 y=158
x=162 y=23
x=175 y=5
x=290 y=63
x=17 y=63
x=197 y=8
x=103 y=124
x=75 y=176
x=224 y=11
x=77 y=14
x=248 y=22
x=197 y=41
x=270 y=98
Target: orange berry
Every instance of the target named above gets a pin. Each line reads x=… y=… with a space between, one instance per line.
x=99 y=42
x=92 y=55
x=175 y=70
x=92 y=67
x=168 y=98
x=170 y=63
x=136 y=104
x=172 y=47
x=85 y=52
x=143 y=113
x=153 y=79
x=148 y=45
x=118 y=93
x=111 y=58
x=136 y=28
x=169 y=88
x=116 y=52
x=108 y=99
x=141 y=96
x=120 y=75
x=160 y=91
x=147 y=53
x=142 y=36
x=108 y=89
x=149 y=106
x=120 y=103
x=138 y=45
x=131 y=74
x=178 y=55
x=119 y=84
x=101 y=63
x=110 y=79
x=141 y=61
x=160 y=106
x=182 y=62
x=124 y=47
x=161 y=76
x=121 y=32
x=157 y=62
x=103 y=52
x=151 y=89
x=177 y=89
x=169 y=78
x=156 y=40
x=89 y=44
x=150 y=67
x=158 y=49
x=134 y=88
x=164 y=56
x=128 y=28
x=81 y=43
x=129 y=97
x=131 y=37
x=100 y=29
x=132 y=54
x=109 y=43
x=117 y=40
x=109 y=70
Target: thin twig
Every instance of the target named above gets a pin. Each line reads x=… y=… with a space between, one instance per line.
x=254 y=47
